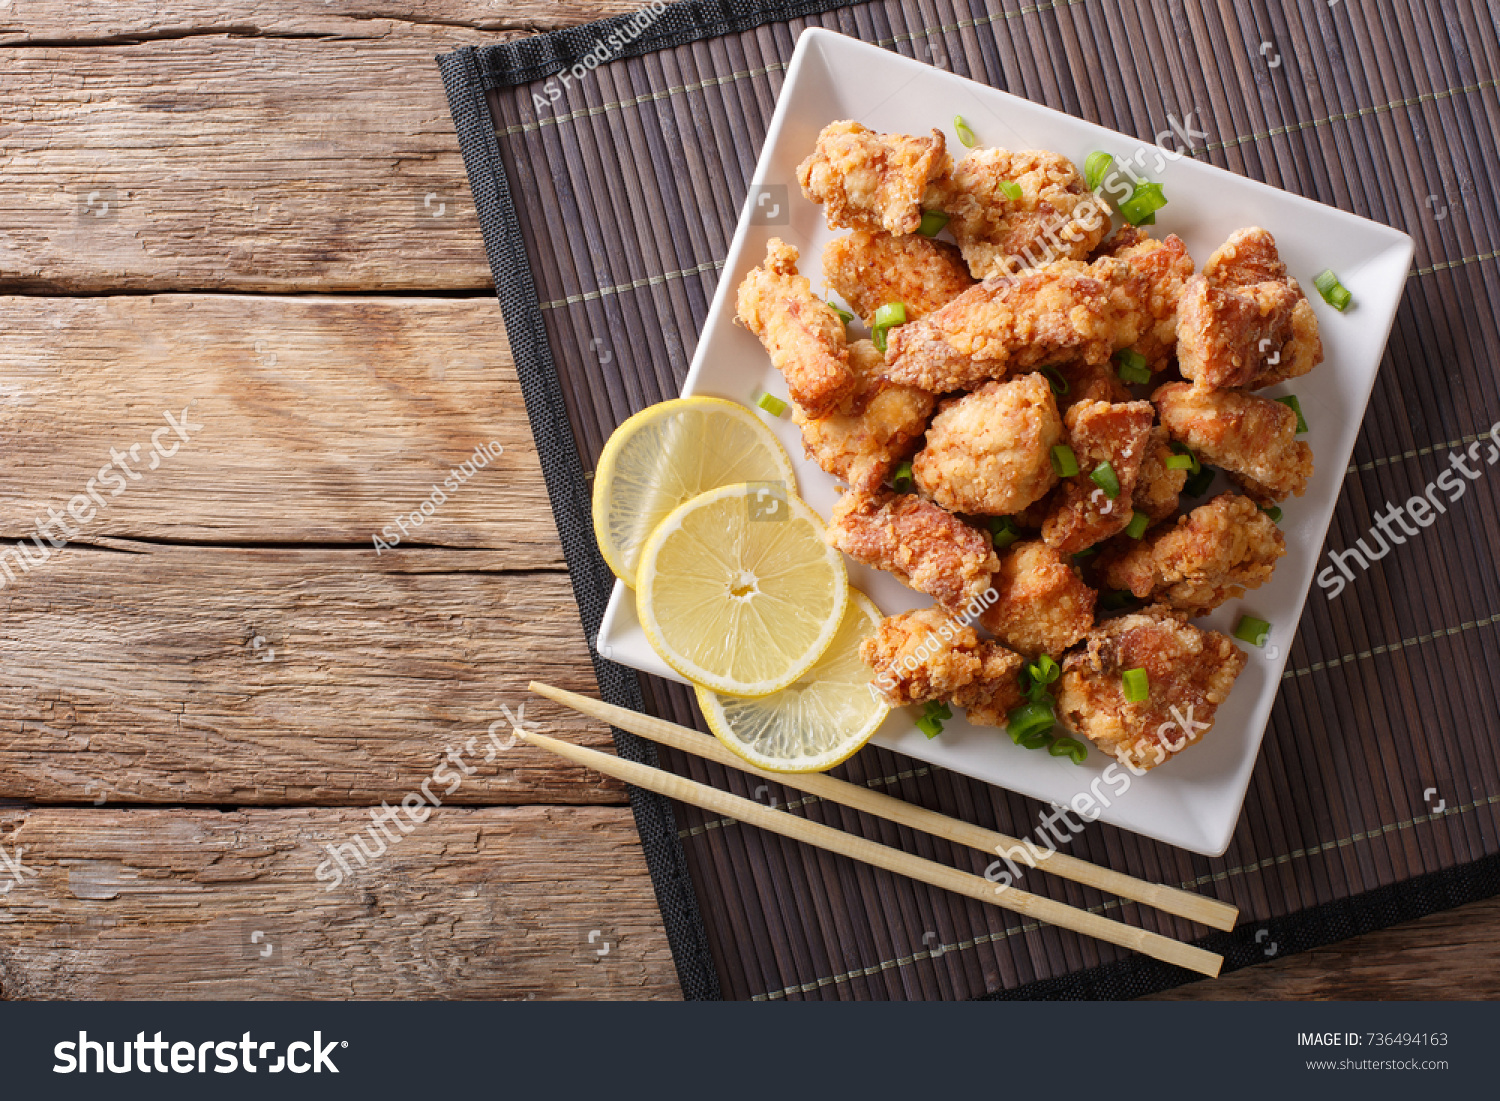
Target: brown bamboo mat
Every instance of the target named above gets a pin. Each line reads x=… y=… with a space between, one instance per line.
x=1377 y=796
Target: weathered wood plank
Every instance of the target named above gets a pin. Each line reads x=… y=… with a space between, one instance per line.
x=323 y=419
x=472 y=903
x=61 y=21
x=154 y=673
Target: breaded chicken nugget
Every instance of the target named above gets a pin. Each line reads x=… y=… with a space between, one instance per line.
x=1099 y=432
x=803 y=335
x=1211 y=555
x=1244 y=322
x=1009 y=323
x=870 y=270
x=920 y=656
x=1146 y=280
x=1056 y=217
x=995 y=690
x=926 y=548
x=989 y=452
x=1157 y=488
x=884 y=422
x=1253 y=438
x=866 y=180
x=1043 y=607
x=1189 y=672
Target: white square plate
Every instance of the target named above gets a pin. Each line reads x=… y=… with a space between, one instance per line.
x=1193 y=801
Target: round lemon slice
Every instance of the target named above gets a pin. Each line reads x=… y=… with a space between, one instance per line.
x=820 y=720
x=738 y=592
x=669 y=453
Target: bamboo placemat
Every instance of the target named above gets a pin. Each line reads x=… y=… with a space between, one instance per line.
x=608 y=209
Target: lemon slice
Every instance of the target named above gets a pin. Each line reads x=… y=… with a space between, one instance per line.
x=738 y=591
x=669 y=453
x=820 y=720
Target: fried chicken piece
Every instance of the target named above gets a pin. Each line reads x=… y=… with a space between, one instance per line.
x=1146 y=280
x=1055 y=218
x=803 y=335
x=989 y=452
x=881 y=428
x=1158 y=489
x=1099 y=432
x=1211 y=555
x=1244 y=322
x=1009 y=323
x=1253 y=438
x=1190 y=673
x=870 y=270
x=871 y=181
x=928 y=549
x=920 y=656
x=1043 y=607
x=995 y=690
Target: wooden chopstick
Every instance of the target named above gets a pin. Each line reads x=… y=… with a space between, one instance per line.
x=892 y=860
x=1207 y=911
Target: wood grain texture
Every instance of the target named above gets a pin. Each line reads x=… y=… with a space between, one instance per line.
x=147 y=673
x=472 y=903
x=323 y=419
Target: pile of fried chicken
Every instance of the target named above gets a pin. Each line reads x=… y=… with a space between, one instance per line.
x=1003 y=357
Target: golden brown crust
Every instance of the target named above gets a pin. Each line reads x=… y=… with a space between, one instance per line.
x=866 y=180
x=1055 y=218
x=1190 y=672
x=1042 y=605
x=1211 y=555
x=1090 y=382
x=921 y=655
x=1098 y=432
x=1146 y=280
x=995 y=690
x=1253 y=438
x=1157 y=489
x=925 y=547
x=989 y=452
x=870 y=270
x=802 y=334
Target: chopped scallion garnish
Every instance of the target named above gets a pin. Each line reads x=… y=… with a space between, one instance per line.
x=929 y=726
x=1054 y=379
x=901 y=480
x=1182 y=451
x=1274 y=512
x=1064 y=462
x=938 y=709
x=1095 y=167
x=1069 y=747
x=1029 y=720
x=1003 y=532
x=1140 y=209
x=1197 y=485
x=877 y=336
x=1333 y=292
x=1252 y=630
x=844 y=315
x=1105 y=478
x=892 y=313
x=1037 y=740
x=1080 y=557
x=1179 y=462
x=1009 y=189
x=1139 y=522
x=1291 y=402
x=933 y=222
x=1044 y=670
x=1133 y=366
x=965 y=135
x=1137 y=685
x=771 y=404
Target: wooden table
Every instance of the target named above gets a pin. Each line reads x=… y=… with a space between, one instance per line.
x=255 y=218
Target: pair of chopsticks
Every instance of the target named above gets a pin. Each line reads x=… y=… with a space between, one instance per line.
x=1196 y=908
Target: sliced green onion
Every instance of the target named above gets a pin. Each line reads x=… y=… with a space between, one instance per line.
x=1179 y=462
x=1054 y=379
x=1070 y=747
x=1333 y=292
x=1252 y=630
x=938 y=709
x=771 y=404
x=1182 y=449
x=1144 y=201
x=933 y=222
x=1044 y=670
x=1095 y=167
x=892 y=313
x=1139 y=522
x=1003 y=532
x=1064 y=462
x=844 y=315
x=1291 y=402
x=930 y=726
x=1274 y=512
x=1079 y=557
x=965 y=135
x=1038 y=693
x=1116 y=599
x=878 y=336
x=1197 y=485
x=1009 y=189
x=1036 y=741
x=1029 y=719
x=1105 y=478
x=1133 y=367
x=901 y=480
x=1137 y=685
